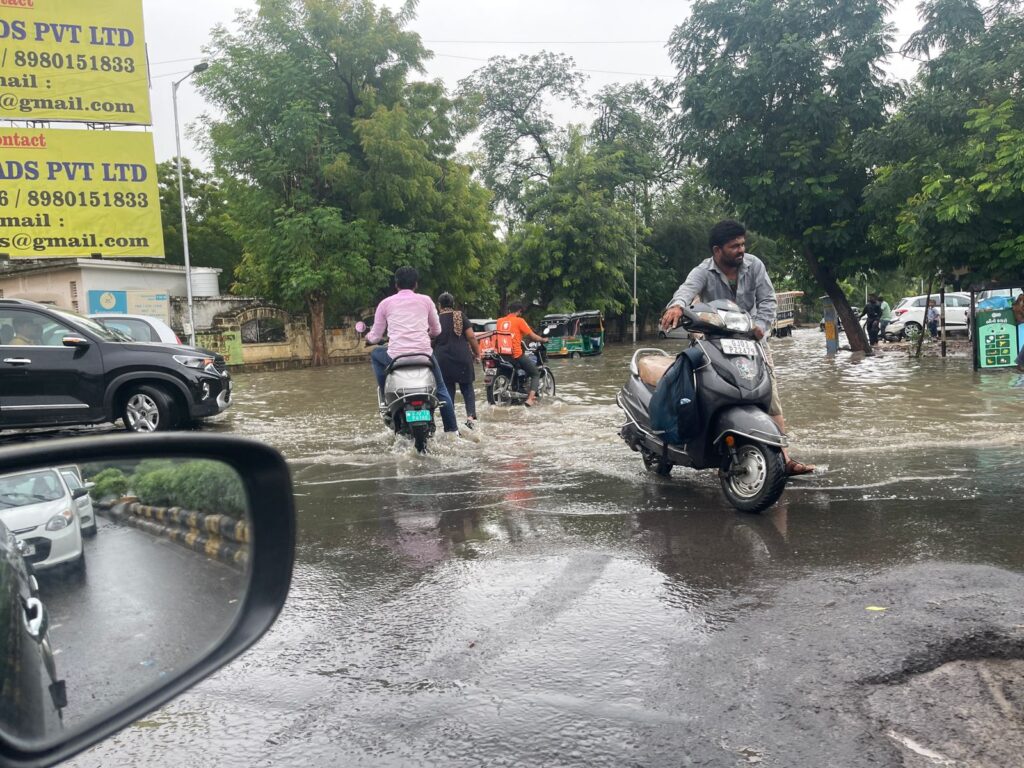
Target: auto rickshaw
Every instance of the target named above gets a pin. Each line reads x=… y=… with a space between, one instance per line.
x=574 y=335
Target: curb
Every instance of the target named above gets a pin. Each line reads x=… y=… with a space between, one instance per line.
x=218 y=537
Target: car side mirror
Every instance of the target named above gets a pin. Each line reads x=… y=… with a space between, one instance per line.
x=79 y=492
x=75 y=341
x=205 y=525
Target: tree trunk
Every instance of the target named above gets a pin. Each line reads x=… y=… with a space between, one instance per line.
x=851 y=323
x=317 y=332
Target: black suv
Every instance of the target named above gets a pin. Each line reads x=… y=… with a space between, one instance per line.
x=59 y=368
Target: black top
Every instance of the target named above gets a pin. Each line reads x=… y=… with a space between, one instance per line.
x=453 y=352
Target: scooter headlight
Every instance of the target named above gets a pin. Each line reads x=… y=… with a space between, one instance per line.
x=711 y=318
x=736 y=321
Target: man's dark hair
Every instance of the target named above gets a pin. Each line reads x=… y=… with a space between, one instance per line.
x=516 y=306
x=724 y=231
x=406 y=277
x=446 y=301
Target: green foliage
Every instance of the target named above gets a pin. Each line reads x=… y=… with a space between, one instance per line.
x=948 y=191
x=576 y=244
x=109 y=483
x=340 y=169
x=210 y=227
x=507 y=101
x=201 y=486
x=156 y=488
x=773 y=95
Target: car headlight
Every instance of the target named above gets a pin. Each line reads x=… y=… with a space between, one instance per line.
x=736 y=321
x=197 y=362
x=711 y=318
x=61 y=521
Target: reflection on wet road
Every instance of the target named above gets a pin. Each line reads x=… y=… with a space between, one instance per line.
x=534 y=597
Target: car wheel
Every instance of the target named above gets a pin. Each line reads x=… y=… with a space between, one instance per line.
x=148 y=408
x=91 y=530
x=911 y=330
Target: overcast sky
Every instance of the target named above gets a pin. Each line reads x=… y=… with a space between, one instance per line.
x=611 y=40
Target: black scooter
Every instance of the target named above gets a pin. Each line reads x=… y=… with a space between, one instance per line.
x=736 y=435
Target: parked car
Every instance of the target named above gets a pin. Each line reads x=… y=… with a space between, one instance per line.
x=59 y=368
x=138 y=327
x=41 y=511
x=908 y=315
x=86 y=515
x=31 y=696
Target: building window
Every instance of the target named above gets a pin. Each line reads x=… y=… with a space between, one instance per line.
x=268 y=330
x=74 y=295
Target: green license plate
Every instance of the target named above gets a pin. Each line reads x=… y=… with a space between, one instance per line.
x=414 y=416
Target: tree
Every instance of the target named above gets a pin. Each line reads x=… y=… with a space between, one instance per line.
x=575 y=245
x=210 y=238
x=773 y=95
x=948 y=190
x=340 y=169
x=506 y=100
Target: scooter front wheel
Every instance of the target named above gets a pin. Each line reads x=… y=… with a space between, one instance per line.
x=755 y=478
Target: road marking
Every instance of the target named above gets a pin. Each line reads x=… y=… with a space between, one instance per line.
x=936 y=757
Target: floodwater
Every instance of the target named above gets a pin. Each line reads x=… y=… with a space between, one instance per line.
x=531 y=598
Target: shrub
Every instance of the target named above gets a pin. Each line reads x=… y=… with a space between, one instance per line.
x=109 y=482
x=156 y=488
x=200 y=486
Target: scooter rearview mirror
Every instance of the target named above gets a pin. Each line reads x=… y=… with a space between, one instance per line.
x=360 y=327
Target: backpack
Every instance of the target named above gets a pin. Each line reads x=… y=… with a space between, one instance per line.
x=675 y=409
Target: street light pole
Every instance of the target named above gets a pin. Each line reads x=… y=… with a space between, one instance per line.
x=200 y=67
x=634 y=268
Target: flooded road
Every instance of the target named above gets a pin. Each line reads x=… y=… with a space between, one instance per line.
x=535 y=598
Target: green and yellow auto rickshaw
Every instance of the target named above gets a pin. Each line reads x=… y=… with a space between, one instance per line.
x=574 y=335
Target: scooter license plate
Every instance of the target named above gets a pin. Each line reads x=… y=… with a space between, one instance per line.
x=417 y=416
x=739 y=347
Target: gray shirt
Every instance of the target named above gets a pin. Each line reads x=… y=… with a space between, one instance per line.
x=754 y=290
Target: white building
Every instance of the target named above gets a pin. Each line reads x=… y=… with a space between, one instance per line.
x=103 y=285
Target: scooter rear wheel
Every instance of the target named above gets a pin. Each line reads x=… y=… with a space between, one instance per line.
x=755 y=479
x=498 y=390
x=419 y=438
x=655 y=464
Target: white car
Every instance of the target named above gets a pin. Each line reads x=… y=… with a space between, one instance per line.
x=40 y=510
x=86 y=515
x=138 y=327
x=908 y=314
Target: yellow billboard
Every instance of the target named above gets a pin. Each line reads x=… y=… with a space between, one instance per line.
x=78 y=193
x=77 y=60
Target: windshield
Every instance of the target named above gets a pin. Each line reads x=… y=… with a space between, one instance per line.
x=30 y=488
x=88 y=324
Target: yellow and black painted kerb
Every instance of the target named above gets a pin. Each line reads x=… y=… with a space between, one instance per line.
x=219 y=537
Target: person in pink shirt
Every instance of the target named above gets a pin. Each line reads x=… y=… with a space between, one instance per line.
x=410 y=321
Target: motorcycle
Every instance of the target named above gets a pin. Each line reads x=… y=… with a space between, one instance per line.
x=734 y=433
x=409 y=400
x=507 y=384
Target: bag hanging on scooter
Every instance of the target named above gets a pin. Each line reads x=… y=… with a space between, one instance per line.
x=675 y=410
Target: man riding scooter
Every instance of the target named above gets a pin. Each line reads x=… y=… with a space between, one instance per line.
x=509 y=335
x=737 y=276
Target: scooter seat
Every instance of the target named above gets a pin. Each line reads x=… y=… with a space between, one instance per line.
x=409 y=362
x=653 y=367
